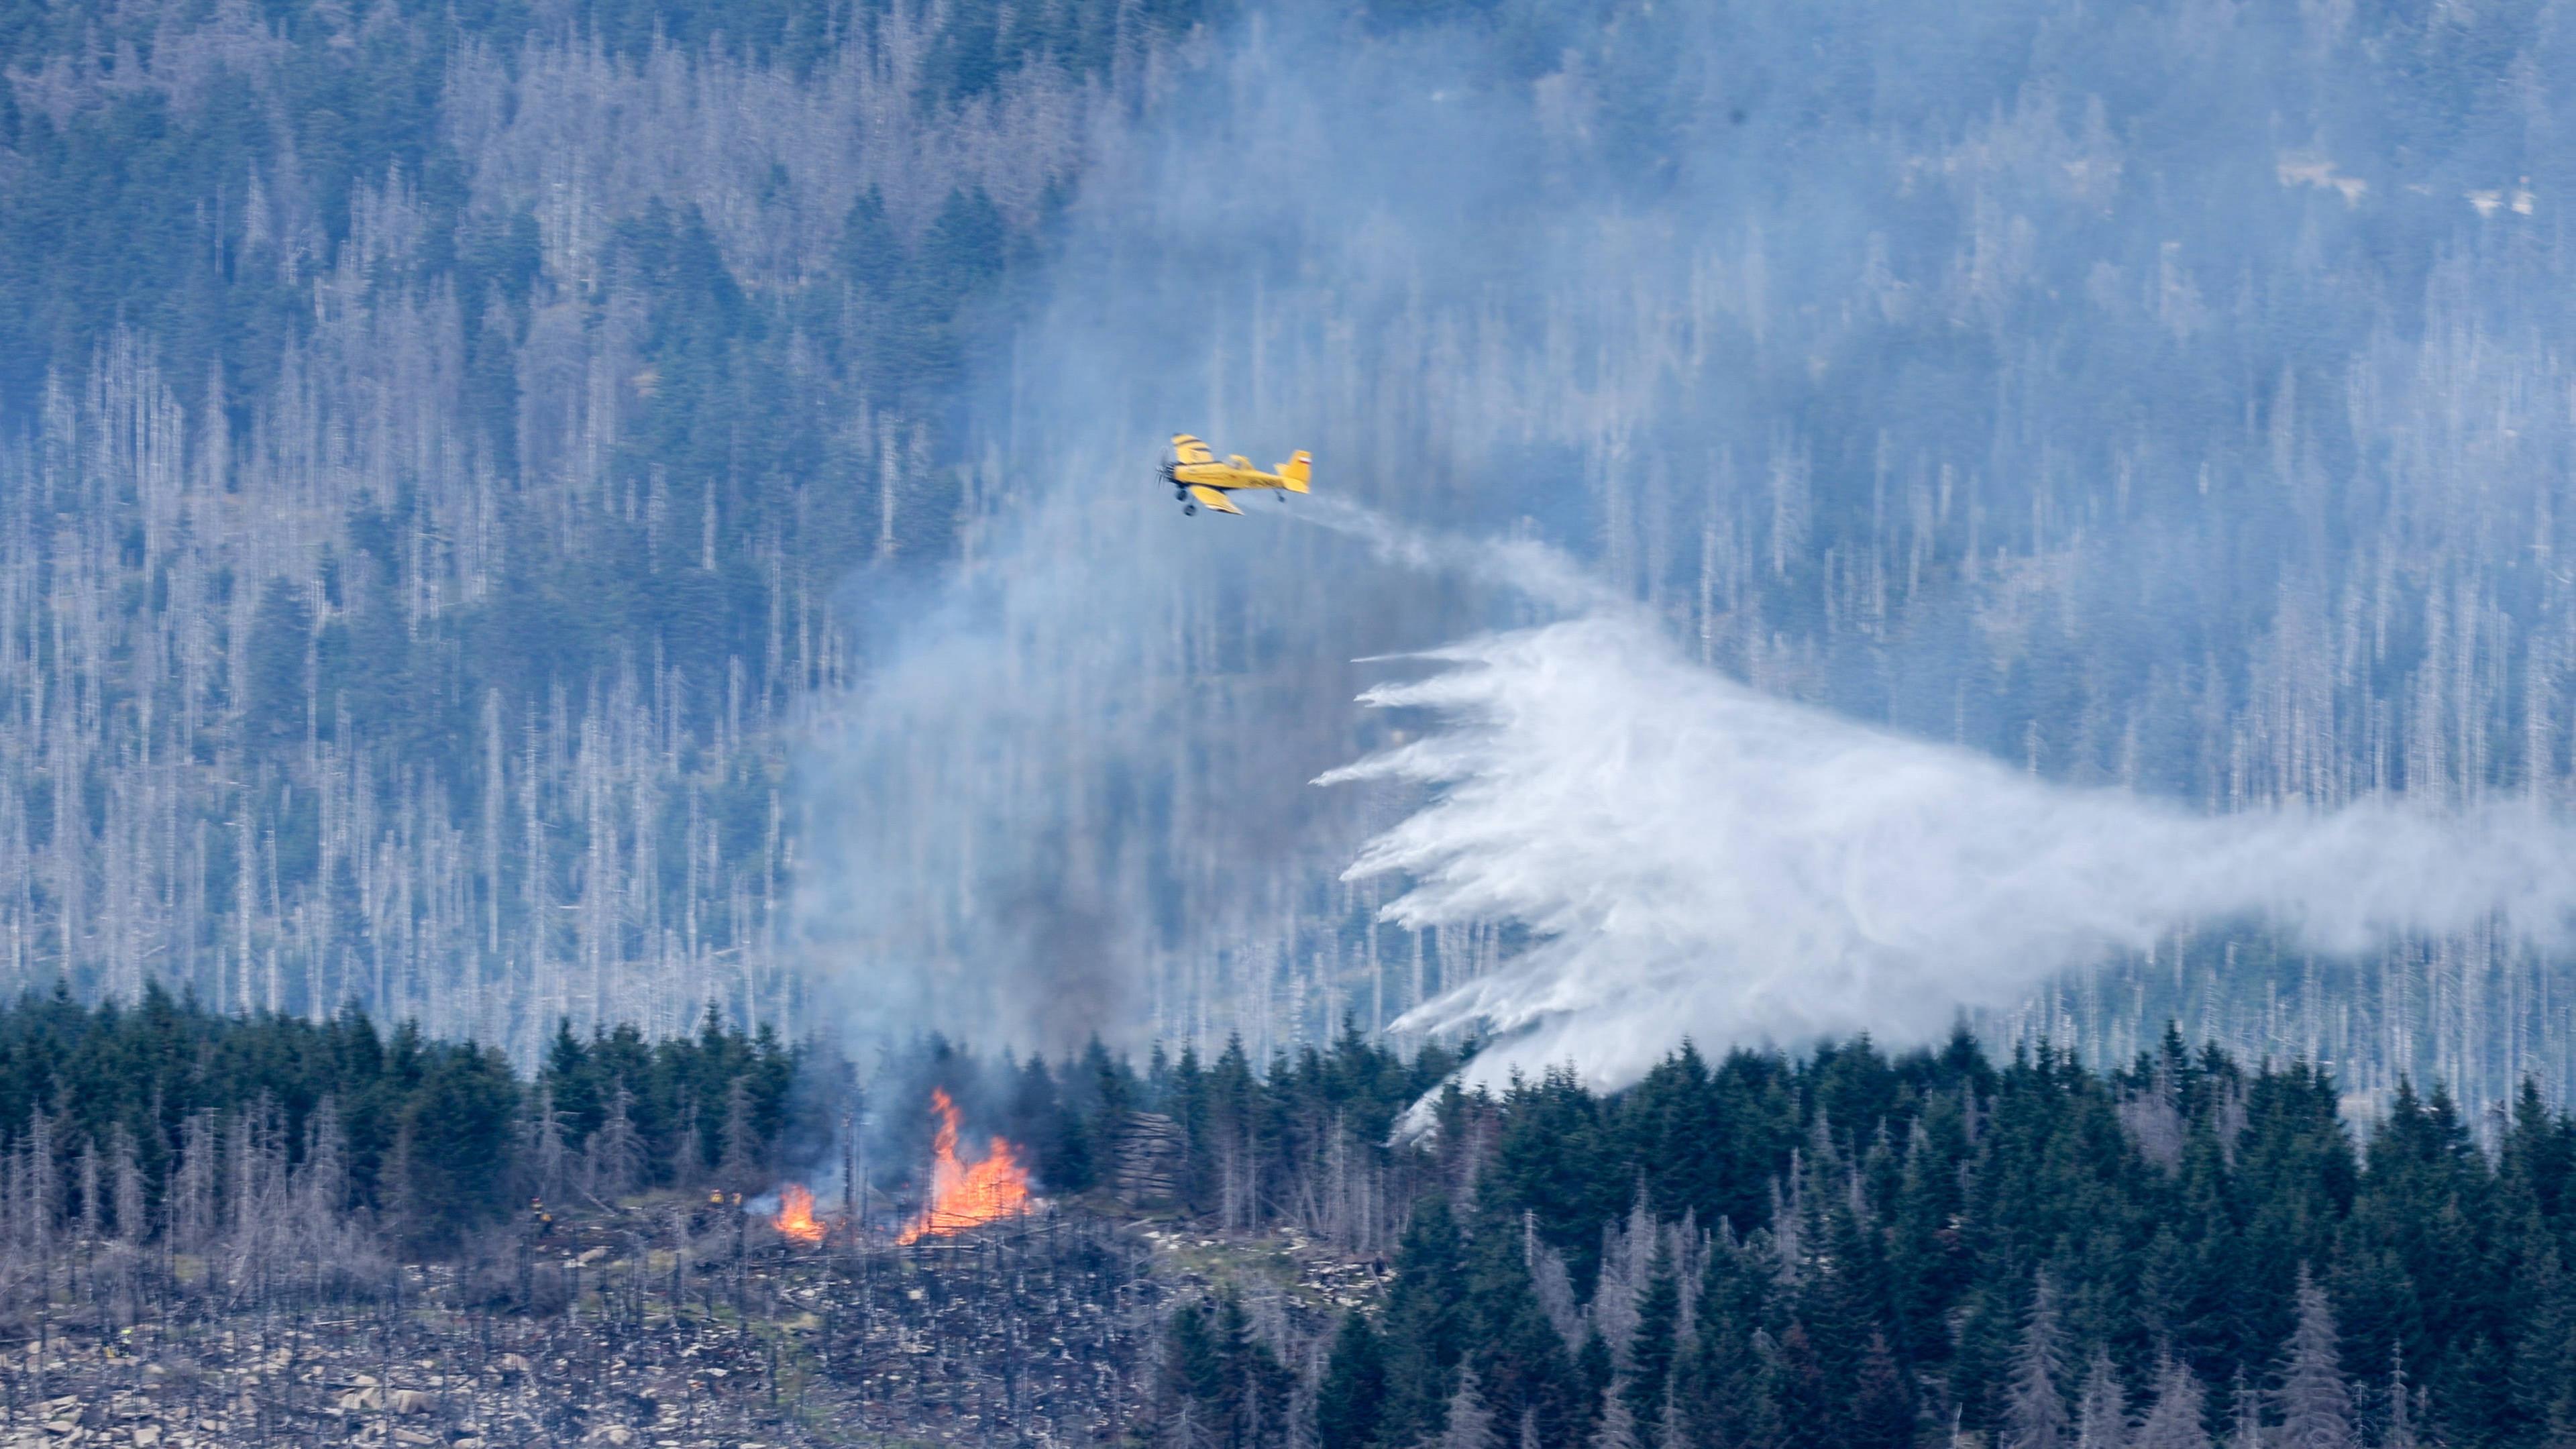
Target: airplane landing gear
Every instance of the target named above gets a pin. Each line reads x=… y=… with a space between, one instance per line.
x=1188 y=508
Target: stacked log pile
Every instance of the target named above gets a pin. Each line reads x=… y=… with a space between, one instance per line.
x=1151 y=1152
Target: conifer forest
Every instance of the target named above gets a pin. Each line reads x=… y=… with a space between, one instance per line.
x=1895 y=763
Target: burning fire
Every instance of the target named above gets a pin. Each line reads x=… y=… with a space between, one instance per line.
x=796 y=1218
x=962 y=1195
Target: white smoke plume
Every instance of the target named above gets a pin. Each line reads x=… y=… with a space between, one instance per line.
x=1982 y=390
x=1692 y=858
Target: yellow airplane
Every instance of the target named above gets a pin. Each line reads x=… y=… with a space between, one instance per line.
x=1197 y=477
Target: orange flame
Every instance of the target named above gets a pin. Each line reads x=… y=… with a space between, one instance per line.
x=796 y=1218
x=962 y=1195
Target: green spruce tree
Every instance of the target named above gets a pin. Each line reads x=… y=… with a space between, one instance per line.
x=1351 y=1400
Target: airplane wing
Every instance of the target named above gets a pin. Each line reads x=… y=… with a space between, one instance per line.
x=1191 y=450
x=1212 y=499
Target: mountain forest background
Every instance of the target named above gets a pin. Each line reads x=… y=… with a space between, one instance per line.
x=435 y=439
x=461 y=464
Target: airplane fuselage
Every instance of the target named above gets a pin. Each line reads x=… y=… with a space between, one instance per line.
x=1199 y=481
x=1225 y=475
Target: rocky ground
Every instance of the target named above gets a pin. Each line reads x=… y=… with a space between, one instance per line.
x=1039 y=1332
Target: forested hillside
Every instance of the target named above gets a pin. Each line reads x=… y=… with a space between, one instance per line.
x=431 y=444
x=1846 y=1248
x=2154 y=398
x=1858 y=1250
x=576 y=510
x=168 y=1123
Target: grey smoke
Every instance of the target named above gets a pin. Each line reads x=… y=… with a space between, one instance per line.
x=2010 y=377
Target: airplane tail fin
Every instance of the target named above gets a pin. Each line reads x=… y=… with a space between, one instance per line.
x=1299 y=467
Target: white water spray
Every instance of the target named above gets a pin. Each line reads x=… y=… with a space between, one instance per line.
x=1695 y=859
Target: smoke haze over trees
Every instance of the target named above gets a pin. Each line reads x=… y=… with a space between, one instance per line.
x=523 y=512
x=431 y=442
x=2158 y=400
